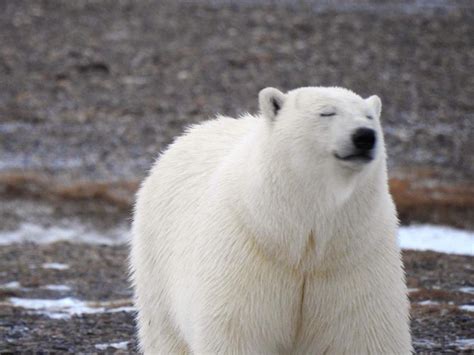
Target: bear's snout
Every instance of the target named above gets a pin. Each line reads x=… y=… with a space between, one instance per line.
x=364 y=139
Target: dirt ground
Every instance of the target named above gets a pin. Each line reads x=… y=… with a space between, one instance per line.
x=98 y=274
x=92 y=90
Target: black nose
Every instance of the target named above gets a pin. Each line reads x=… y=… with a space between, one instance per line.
x=364 y=138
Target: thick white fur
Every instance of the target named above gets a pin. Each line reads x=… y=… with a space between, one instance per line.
x=250 y=237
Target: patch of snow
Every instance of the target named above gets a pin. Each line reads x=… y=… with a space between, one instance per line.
x=122 y=345
x=418 y=237
x=59 y=288
x=428 y=303
x=425 y=343
x=437 y=238
x=464 y=344
x=56 y=309
x=72 y=232
x=467 y=289
x=14 y=285
x=55 y=266
x=467 y=307
x=65 y=308
x=121 y=309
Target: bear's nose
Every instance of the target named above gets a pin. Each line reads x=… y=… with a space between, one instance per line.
x=364 y=138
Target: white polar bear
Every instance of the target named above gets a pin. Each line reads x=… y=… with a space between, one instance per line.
x=273 y=234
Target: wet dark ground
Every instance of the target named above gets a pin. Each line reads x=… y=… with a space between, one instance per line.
x=98 y=274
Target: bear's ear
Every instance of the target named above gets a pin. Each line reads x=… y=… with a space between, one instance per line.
x=271 y=101
x=375 y=102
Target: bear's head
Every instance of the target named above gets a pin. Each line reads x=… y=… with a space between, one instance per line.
x=319 y=129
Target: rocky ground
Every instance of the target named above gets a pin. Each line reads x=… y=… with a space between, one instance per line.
x=92 y=90
x=441 y=290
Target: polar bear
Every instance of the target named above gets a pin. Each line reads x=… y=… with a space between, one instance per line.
x=272 y=233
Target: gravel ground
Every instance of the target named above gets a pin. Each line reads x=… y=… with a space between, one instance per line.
x=98 y=274
x=92 y=90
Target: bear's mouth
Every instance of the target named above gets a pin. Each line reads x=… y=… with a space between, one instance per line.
x=361 y=157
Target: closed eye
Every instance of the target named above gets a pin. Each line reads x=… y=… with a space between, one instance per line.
x=327 y=114
x=369 y=117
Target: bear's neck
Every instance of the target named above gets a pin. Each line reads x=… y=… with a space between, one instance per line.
x=286 y=215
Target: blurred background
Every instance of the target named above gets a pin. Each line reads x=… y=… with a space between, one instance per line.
x=92 y=90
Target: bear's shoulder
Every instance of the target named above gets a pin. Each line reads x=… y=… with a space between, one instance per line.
x=221 y=127
x=200 y=149
x=210 y=138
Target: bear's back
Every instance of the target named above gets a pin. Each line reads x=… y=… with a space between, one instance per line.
x=179 y=178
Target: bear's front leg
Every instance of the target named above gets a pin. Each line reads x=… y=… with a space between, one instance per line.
x=356 y=311
x=245 y=304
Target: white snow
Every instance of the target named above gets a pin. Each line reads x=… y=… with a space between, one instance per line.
x=123 y=345
x=70 y=232
x=428 y=303
x=56 y=309
x=55 y=266
x=121 y=309
x=418 y=237
x=14 y=285
x=437 y=238
x=425 y=343
x=467 y=307
x=467 y=289
x=64 y=308
x=464 y=344
x=59 y=288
